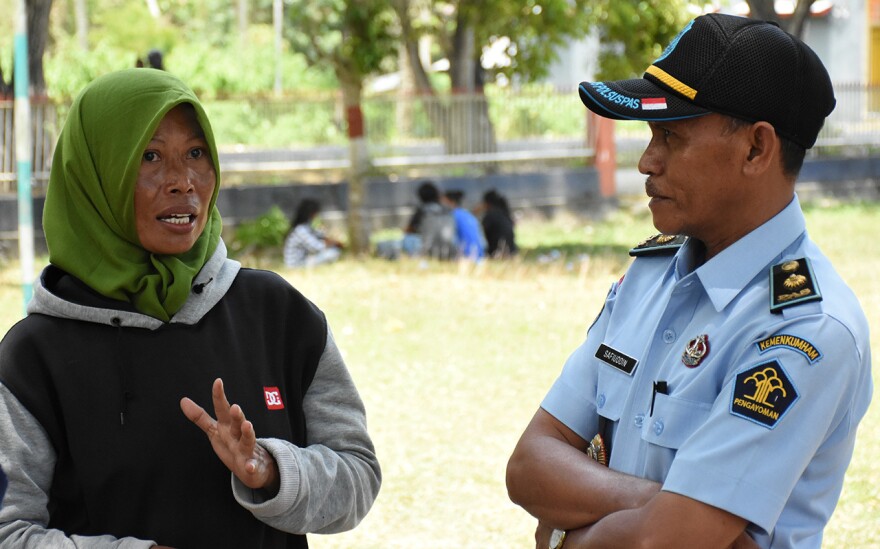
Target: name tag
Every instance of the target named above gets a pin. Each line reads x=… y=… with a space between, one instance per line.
x=622 y=362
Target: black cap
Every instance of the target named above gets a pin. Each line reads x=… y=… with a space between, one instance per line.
x=731 y=65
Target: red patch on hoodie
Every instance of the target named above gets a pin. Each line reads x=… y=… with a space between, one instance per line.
x=273 y=398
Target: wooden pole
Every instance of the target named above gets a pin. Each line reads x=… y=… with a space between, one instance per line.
x=606 y=157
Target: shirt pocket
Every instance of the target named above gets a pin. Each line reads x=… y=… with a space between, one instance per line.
x=673 y=421
x=612 y=392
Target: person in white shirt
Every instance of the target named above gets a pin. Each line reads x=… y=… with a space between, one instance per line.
x=306 y=246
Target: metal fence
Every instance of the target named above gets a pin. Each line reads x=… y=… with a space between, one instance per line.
x=292 y=138
x=45 y=130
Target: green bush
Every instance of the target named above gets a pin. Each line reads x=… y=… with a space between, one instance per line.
x=260 y=236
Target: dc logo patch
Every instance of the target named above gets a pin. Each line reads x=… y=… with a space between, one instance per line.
x=763 y=394
x=273 y=398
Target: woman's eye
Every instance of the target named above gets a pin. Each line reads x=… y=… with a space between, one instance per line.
x=197 y=153
x=150 y=156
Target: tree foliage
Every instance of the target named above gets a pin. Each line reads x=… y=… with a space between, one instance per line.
x=354 y=37
x=526 y=35
x=632 y=34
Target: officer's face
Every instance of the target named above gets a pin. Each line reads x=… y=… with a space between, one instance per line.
x=695 y=180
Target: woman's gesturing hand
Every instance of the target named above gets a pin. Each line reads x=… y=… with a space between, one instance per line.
x=234 y=440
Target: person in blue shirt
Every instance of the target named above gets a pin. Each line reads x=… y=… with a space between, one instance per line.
x=728 y=370
x=469 y=234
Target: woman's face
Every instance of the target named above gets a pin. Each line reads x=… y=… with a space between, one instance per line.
x=175 y=185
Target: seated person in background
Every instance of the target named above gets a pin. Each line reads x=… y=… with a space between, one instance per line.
x=431 y=229
x=498 y=225
x=306 y=246
x=471 y=242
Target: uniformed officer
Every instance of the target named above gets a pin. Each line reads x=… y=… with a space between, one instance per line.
x=725 y=377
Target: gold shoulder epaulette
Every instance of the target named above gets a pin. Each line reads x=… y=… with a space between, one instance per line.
x=659 y=244
x=792 y=283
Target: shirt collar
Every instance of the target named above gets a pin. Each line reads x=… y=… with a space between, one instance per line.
x=726 y=275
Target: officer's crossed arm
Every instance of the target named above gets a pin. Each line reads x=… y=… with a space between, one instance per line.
x=668 y=520
x=551 y=477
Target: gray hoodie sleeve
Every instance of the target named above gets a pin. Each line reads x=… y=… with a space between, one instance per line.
x=329 y=485
x=28 y=458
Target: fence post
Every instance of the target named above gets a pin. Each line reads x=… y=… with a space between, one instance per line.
x=23 y=152
x=606 y=157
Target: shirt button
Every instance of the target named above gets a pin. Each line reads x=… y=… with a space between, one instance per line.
x=601 y=402
x=658 y=427
x=668 y=336
x=639 y=421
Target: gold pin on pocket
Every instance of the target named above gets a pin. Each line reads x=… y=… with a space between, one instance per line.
x=597 y=451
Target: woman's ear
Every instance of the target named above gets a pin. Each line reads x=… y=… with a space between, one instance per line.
x=764 y=149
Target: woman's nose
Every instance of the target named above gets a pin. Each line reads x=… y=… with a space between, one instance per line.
x=178 y=177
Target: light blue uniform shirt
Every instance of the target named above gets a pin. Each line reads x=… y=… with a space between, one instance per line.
x=764 y=424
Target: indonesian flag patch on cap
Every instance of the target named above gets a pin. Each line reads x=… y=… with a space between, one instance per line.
x=653 y=103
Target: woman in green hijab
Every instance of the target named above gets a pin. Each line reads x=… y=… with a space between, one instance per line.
x=140 y=309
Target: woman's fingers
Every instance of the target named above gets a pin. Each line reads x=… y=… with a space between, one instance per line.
x=236 y=418
x=229 y=416
x=198 y=415
x=221 y=405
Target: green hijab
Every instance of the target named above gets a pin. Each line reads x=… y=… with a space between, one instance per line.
x=89 y=218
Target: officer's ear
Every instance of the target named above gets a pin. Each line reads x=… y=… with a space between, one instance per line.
x=763 y=149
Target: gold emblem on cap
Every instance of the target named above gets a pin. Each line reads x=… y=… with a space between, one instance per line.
x=596 y=450
x=790 y=266
x=794 y=281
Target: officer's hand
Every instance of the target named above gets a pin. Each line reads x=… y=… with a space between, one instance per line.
x=542 y=536
x=745 y=541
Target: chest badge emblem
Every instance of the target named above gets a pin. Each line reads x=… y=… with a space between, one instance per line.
x=695 y=351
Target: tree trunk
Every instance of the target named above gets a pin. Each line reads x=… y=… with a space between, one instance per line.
x=82 y=24
x=278 y=25
x=243 y=19
x=798 y=22
x=765 y=10
x=154 y=9
x=471 y=128
x=463 y=123
x=461 y=66
x=352 y=94
x=403 y=111
x=38 y=33
x=436 y=112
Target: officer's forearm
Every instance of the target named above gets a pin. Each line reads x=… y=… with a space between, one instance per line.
x=555 y=481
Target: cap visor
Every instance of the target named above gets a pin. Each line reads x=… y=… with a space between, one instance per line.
x=636 y=99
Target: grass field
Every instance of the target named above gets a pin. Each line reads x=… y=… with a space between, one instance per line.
x=452 y=361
